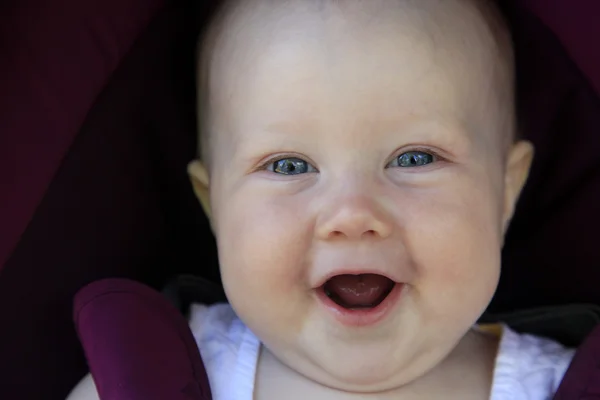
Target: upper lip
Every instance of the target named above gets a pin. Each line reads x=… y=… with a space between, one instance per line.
x=355 y=271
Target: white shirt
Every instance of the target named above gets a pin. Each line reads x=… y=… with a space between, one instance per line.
x=527 y=367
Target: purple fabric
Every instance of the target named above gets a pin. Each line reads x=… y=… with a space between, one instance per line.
x=582 y=380
x=575 y=23
x=139 y=346
x=551 y=248
x=119 y=205
x=57 y=56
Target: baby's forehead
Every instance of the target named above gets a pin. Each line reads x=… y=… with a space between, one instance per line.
x=246 y=26
x=274 y=39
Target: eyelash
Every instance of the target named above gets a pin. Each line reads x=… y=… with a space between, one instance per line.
x=436 y=155
x=263 y=166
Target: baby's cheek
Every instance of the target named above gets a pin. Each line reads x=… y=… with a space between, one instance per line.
x=262 y=251
x=457 y=257
x=267 y=235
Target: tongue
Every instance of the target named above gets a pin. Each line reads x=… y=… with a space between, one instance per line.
x=355 y=291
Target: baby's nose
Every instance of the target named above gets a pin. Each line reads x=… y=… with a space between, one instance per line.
x=359 y=217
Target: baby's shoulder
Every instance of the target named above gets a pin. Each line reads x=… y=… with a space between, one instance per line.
x=528 y=364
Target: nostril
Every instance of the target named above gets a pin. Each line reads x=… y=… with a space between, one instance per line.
x=335 y=234
x=371 y=233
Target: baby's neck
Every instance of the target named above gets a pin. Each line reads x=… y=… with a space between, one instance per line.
x=466 y=374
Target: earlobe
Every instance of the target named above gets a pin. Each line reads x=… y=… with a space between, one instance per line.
x=517 y=171
x=200 y=183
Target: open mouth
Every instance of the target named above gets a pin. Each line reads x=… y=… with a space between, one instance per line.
x=358 y=292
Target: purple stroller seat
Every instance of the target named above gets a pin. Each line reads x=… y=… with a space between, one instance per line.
x=97 y=125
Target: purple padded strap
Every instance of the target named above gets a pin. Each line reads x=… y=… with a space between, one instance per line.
x=138 y=346
x=582 y=380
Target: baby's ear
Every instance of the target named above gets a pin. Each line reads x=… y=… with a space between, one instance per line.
x=518 y=164
x=200 y=182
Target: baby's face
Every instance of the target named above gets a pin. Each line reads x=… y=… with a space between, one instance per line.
x=360 y=137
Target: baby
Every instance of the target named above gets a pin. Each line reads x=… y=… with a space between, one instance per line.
x=360 y=165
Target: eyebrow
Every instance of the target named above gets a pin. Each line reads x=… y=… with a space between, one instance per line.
x=454 y=137
x=287 y=135
x=453 y=134
x=272 y=139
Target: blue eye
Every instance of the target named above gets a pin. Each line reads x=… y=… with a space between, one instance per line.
x=412 y=159
x=290 y=166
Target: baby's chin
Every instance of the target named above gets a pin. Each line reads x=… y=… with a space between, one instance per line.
x=360 y=369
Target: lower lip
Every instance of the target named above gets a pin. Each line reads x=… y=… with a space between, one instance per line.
x=361 y=317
